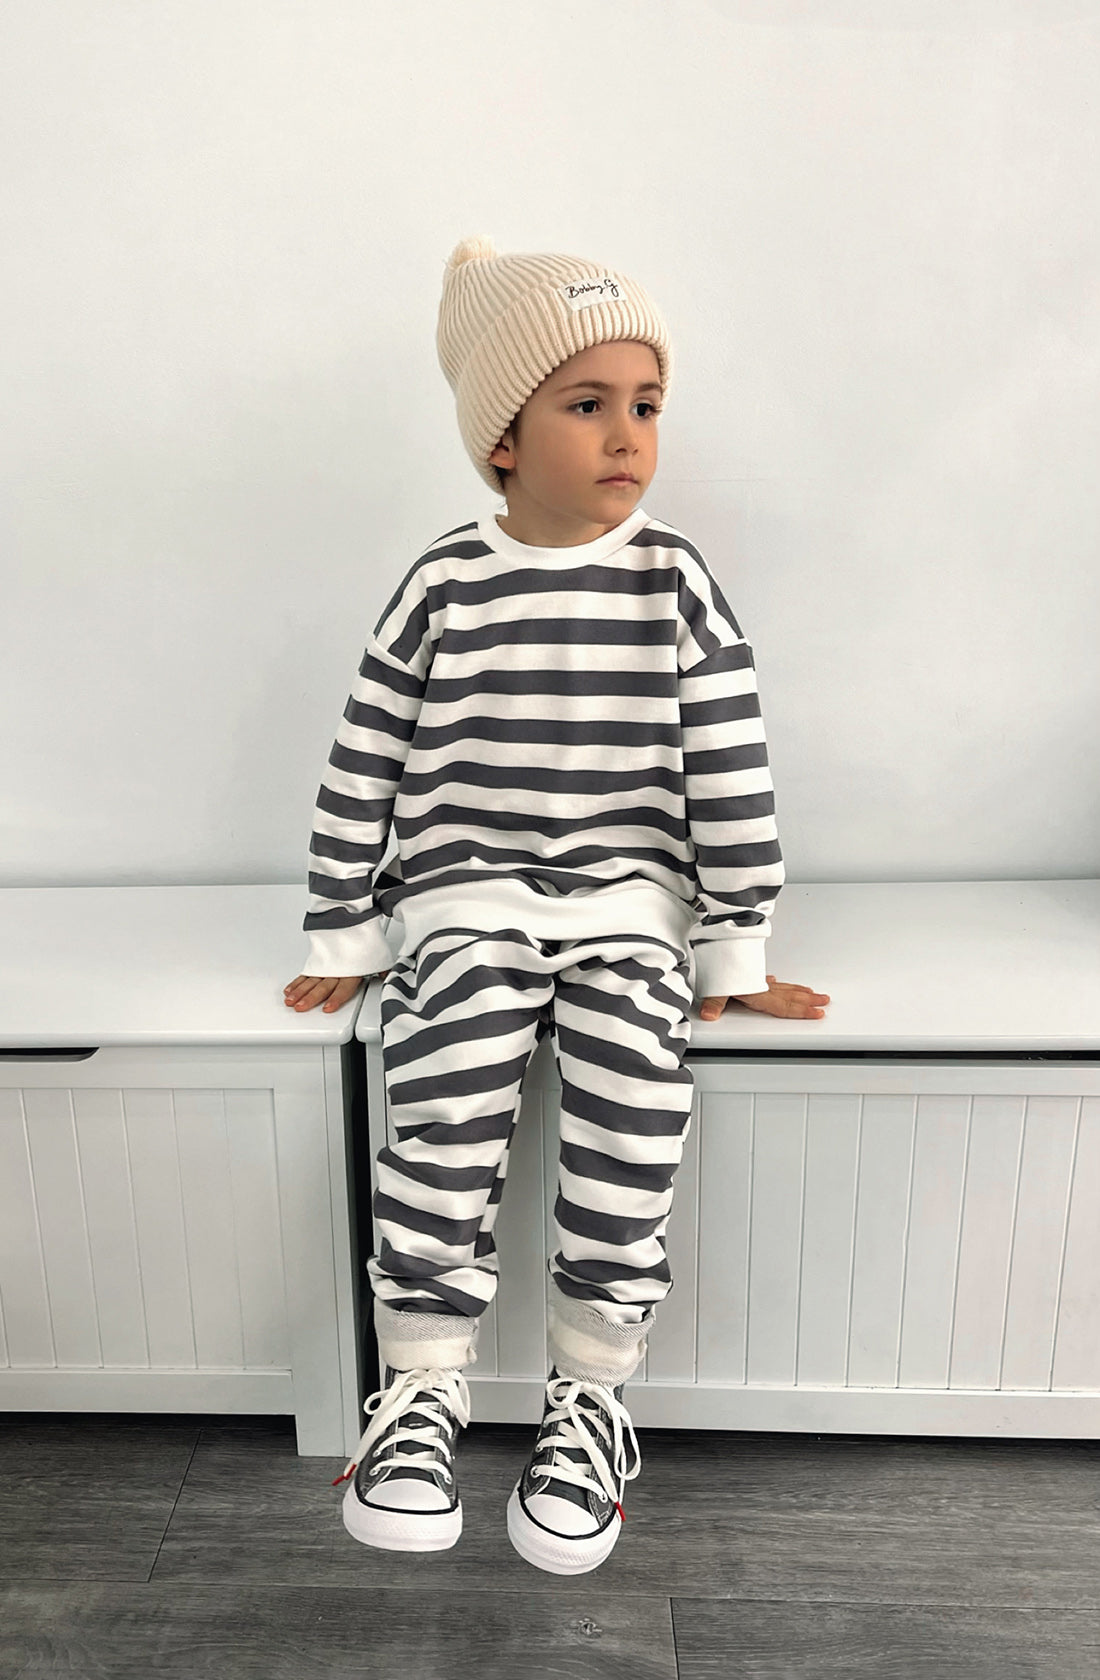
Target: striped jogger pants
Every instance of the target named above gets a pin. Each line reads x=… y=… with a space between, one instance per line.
x=460 y=1018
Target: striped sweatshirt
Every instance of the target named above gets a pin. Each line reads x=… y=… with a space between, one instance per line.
x=567 y=741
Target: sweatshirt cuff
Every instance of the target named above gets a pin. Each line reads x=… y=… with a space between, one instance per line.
x=361 y=950
x=730 y=967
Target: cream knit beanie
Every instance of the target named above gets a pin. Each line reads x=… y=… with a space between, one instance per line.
x=507 y=321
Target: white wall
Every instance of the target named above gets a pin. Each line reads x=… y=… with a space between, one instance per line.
x=224 y=434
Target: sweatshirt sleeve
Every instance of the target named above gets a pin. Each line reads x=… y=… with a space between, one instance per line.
x=729 y=793
x=354 y=810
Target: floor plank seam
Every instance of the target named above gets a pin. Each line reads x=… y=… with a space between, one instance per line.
x=875 y=1604
x=675 y=1641
x=196 y=1443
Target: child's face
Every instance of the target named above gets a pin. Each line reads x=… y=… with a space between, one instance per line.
x=572 y=437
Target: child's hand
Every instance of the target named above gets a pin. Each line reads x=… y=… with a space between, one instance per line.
x=781 y=998
x=308 y=990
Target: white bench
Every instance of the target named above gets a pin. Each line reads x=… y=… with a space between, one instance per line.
x=885 y=1221
x=174 y=1161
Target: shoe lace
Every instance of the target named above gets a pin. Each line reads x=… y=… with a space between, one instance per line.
x=565 y=1394
x=390 y=1403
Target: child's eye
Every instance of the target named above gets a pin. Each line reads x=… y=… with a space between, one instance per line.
x=653 y=408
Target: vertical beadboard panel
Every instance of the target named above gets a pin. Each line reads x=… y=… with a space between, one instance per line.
x=112 y=1238
x=671 y=1354
x=208 y=1217
x=832 y=1146
x=985 y=1248
x=28 y=1339
x=1042 y=1204
x=250 y=1133
x=159 y=1223
x=9 y=1112
x=725 y=1206
x=550 y=1146
x=519 y=1234
x=488 y=1364
x=63 y=1227
x=882 y=1225
x=488 y=1331
x=1077 y=1351
x=872 y=1239
x=775 y=1256
x=935 y=1217
x=550 y=1111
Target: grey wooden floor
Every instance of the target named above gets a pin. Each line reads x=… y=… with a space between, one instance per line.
x=151 y=1548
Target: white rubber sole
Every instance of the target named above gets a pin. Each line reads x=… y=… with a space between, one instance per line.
x=557 y=1554
x=400 y=1531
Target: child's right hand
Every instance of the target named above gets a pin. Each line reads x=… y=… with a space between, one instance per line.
x=306 y=991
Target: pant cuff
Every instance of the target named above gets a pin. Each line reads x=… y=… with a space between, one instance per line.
x=410 y=1341
x=585 y=1344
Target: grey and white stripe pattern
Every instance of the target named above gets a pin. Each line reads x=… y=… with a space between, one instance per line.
x=569 y=718
x=459 y=1022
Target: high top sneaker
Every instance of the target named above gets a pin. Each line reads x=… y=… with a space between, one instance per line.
x=404 y=1497
x=566 y=1510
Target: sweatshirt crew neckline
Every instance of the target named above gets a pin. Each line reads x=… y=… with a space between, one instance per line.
x=580 y=554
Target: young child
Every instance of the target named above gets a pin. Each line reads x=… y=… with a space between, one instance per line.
x=558 y=713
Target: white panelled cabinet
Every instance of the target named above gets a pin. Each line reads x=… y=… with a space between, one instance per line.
x=885 y=1221
x=175 y=1162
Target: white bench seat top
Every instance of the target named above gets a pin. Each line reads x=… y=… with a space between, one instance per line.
x=84 y=966
x=921 y=966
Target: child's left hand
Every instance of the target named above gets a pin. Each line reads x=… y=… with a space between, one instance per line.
x=781 y=998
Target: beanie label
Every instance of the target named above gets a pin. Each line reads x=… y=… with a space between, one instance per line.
x=582 y=294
